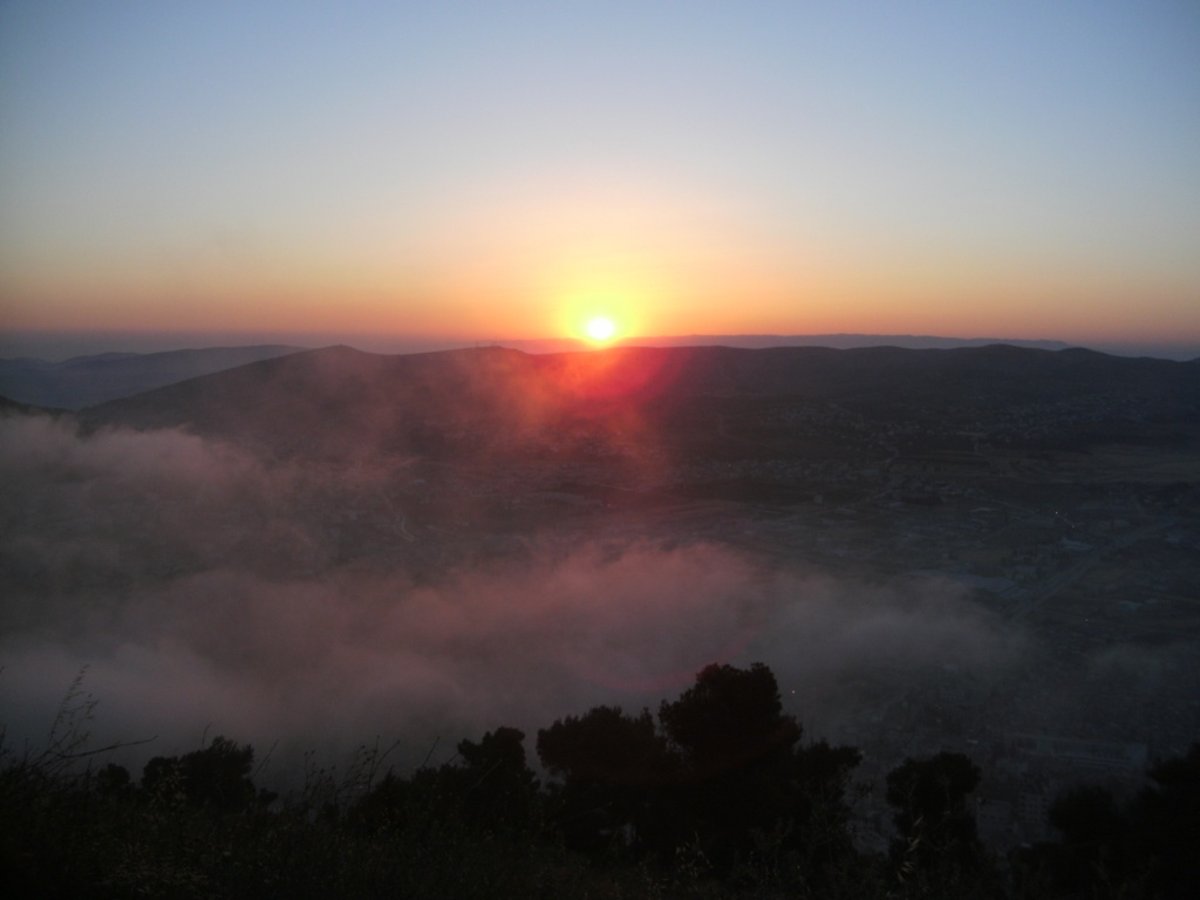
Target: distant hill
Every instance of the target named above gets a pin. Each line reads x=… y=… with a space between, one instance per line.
x=88 y=380
x=763 y=341
x=489 y=402
x=13 y=408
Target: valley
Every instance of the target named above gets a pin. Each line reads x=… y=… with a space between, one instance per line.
x=984 y=550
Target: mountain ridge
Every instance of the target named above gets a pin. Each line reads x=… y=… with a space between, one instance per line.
x=339 y=400
x=83 y=381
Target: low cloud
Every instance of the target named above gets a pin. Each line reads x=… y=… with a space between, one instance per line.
x=202 y=590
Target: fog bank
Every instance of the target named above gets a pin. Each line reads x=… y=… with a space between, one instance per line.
x=202 y=591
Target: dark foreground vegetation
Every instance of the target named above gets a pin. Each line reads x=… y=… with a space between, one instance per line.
x=717 y=796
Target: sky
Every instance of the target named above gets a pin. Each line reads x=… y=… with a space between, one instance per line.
x=496 y=171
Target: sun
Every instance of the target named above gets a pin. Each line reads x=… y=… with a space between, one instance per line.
x=600 y=329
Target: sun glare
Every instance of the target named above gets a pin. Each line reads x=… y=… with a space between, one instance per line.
x=600 y=329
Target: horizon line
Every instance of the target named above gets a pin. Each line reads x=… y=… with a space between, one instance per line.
x=58 y=345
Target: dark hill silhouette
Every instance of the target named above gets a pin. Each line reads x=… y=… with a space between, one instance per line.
x=89 y=380
x=342 y=402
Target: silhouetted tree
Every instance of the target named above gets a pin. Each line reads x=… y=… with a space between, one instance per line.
x=1165 y=826
x=615 y=771
x=217 y=776
x=729 y=718
x=1093 y=834
x=387 y=806
x=937 y=838
x=497 y=791
x=114 y=781
x=819 y=808
x=736 y=746
x=1147 y=847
